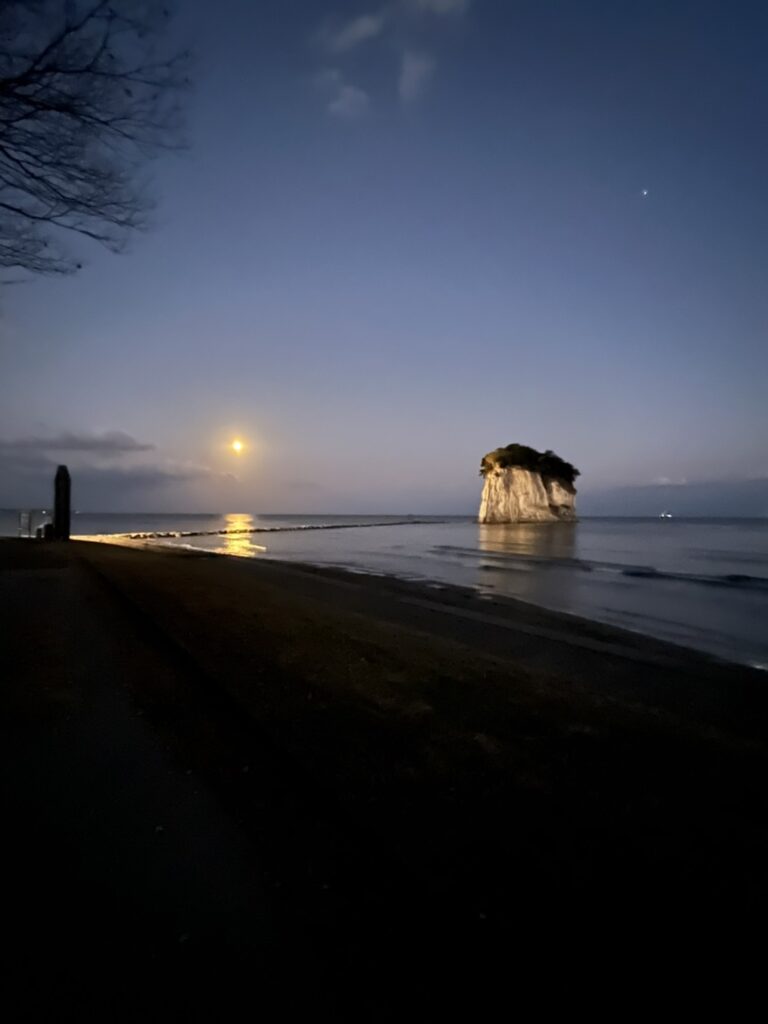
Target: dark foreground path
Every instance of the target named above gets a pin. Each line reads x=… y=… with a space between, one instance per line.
x=233 y=790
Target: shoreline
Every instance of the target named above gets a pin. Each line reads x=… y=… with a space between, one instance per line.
x=452 y=613
x=144 y=543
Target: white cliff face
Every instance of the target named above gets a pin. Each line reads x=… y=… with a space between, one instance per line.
x=516 y=495
x=562 y=498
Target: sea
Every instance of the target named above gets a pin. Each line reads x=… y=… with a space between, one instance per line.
x=702 y=583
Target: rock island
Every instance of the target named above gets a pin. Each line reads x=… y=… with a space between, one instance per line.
x=523 y=485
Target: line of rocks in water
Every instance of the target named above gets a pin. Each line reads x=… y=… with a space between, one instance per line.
x=272 y=529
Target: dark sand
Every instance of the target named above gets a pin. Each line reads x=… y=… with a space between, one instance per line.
x=226 y=780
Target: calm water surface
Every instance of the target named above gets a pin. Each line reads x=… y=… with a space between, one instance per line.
x=698 y=582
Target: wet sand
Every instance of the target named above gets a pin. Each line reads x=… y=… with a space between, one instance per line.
x=224 y=776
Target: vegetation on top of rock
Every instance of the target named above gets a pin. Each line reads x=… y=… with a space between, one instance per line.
x=546 y=463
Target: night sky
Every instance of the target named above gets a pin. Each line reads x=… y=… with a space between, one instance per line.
x=405 y=234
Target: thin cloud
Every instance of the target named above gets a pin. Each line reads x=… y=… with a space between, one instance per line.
x=416 y=71
x=111 y=442
x=396 y=19
x=354 y=32
x=152 y=475
x=439 y=6
x=346 y=101
x=350 y=103
x=329 y=78
x=37 y=464
x=301 y=485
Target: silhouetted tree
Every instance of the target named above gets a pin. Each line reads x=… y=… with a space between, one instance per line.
x=85 y=97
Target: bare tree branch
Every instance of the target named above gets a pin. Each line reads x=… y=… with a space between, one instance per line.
x=85 y=98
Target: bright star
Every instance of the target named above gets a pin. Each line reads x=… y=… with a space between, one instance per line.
x=645 y=192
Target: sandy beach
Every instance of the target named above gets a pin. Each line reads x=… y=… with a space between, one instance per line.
x=271 y=771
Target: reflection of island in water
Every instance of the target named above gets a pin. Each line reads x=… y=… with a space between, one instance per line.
x=532 y=561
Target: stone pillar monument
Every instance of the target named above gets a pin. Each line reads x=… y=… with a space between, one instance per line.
x=62 y=490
